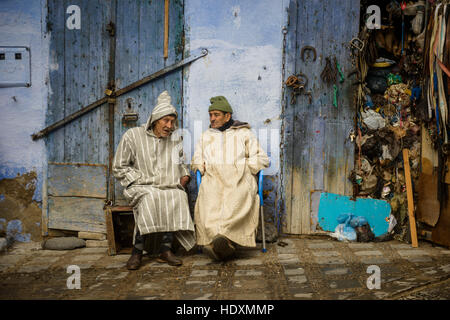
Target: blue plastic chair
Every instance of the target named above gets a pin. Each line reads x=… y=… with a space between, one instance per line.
x=261 y=202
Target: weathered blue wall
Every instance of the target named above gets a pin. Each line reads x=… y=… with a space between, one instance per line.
x=22 y=113
x=244 y=64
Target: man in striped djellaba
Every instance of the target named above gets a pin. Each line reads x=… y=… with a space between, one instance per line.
x=149 y=164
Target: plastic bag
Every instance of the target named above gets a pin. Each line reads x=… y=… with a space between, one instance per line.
x=344 y=231
x=358 y=221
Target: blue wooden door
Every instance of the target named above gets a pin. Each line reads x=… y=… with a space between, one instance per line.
x=140 y=52
x=318 y=156
x=118 y=42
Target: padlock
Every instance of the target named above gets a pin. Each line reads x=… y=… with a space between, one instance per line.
x=352 y=135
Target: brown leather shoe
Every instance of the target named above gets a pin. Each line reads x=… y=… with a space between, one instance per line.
x=170 y=258
x=135 y=261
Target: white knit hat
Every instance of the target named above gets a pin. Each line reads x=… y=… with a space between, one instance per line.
x=163 y=108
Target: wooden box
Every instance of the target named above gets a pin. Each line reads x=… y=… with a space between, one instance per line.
x=119 y=228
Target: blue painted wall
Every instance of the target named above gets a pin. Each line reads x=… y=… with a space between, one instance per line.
x=244 y=40
x=23 y=113
x=244 y=64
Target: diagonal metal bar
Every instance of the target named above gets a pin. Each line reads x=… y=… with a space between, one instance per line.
x=115 y=94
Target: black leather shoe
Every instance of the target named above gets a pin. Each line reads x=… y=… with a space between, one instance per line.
x=223 y=247
x=170 y=258
x=209 y=251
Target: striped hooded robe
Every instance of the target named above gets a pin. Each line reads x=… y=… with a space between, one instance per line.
x=150 y=168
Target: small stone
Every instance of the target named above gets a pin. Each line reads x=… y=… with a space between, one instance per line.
x=96 y=243
x=91 y=235
x=63 y=243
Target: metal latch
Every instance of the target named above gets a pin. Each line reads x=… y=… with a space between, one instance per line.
x=130 y=117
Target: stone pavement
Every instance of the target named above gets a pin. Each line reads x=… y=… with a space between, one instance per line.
x=307 y=268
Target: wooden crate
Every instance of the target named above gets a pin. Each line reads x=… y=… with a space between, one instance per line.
x=119 y=228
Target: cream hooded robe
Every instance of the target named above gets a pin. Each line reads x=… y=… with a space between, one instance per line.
x=150 y=169
x=227 y=202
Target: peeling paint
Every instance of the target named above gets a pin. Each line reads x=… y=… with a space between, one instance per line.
x=14 y=231
x=18 y=209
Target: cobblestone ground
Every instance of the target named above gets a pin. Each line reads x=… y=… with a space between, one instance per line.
x=304 y=269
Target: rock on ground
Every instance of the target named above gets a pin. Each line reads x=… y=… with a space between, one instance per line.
x=63 y=243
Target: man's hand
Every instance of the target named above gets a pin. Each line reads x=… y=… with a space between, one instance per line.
x=184 y=181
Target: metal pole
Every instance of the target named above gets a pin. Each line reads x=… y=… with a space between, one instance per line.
x=111 y=101
x=261 y=209
x=116 y=94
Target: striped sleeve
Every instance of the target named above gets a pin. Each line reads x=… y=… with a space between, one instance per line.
x=123 y=169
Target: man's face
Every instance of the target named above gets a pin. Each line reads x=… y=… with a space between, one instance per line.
x=218 y=118
x=164 y=126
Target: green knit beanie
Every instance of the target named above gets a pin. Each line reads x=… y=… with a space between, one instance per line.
x=220 y=103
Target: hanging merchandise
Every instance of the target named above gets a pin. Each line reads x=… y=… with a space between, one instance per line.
x=373 y=120
x=402 y=88
x=436 y=92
